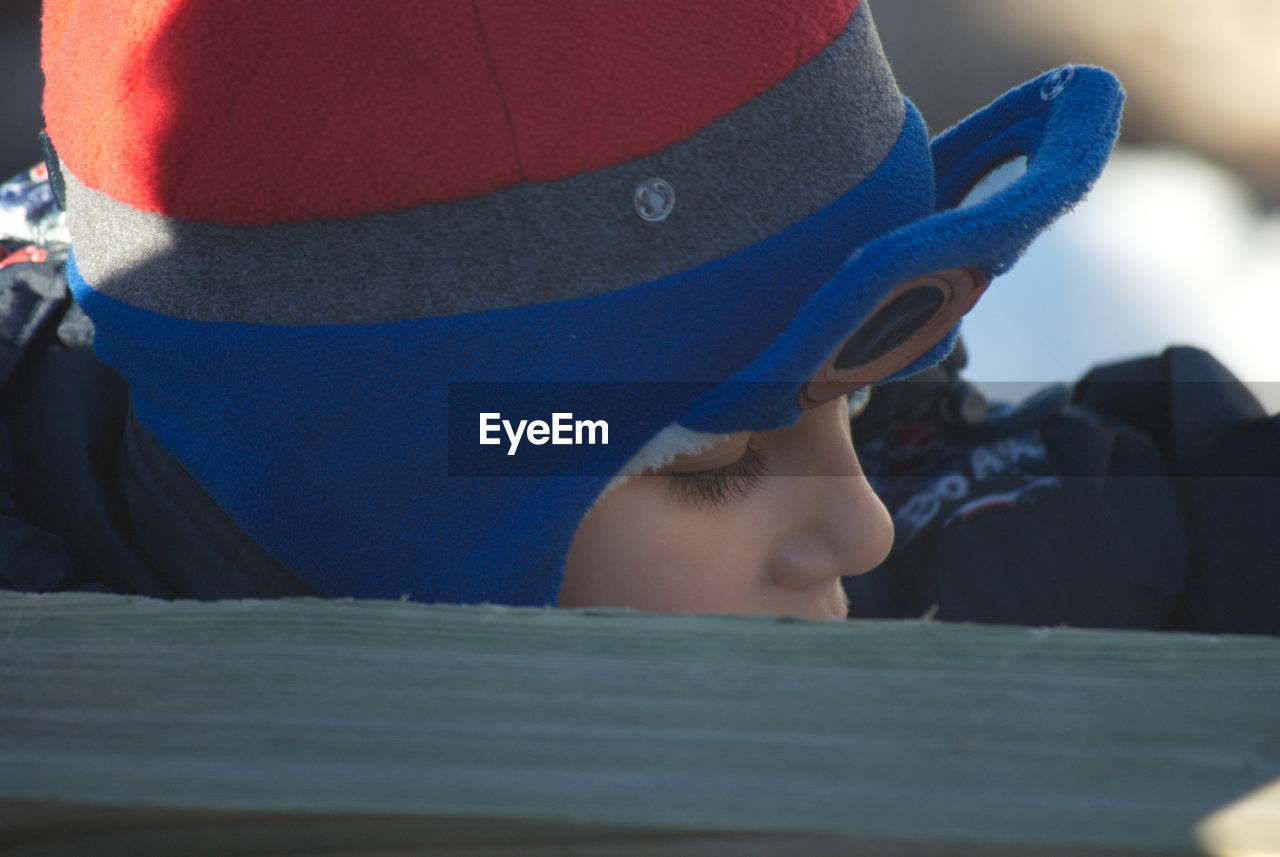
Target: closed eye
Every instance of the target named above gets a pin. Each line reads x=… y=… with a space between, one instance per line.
x=721 y=485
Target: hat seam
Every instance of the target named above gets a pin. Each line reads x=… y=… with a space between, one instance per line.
x=507 y=116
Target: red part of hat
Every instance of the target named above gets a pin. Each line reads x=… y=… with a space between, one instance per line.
x=243 y=112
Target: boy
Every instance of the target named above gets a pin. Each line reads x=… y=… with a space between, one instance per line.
x=344 y=263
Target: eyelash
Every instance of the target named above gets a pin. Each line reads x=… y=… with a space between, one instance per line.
x=718 y=487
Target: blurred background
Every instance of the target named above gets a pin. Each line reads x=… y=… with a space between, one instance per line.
x=1180 y=241
x=20 y=73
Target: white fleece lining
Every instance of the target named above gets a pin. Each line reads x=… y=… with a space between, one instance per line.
x=662 y=449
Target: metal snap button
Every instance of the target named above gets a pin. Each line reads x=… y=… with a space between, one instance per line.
x=1056 y=82
x=654 y=199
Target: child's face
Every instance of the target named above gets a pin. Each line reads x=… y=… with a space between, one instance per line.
x=720 y=532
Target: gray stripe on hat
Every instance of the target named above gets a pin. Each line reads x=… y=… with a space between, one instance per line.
x=756 y=171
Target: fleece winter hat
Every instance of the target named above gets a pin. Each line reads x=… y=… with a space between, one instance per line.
x=322 y=242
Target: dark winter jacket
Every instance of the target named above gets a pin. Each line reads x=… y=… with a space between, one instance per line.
x=1147 y=496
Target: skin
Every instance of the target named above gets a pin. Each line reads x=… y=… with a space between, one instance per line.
x=777 y=547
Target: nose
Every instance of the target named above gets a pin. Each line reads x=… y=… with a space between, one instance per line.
x=836 y=525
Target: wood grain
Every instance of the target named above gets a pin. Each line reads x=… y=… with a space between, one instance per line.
x=288 y=727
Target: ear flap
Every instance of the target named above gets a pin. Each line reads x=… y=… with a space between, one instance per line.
x=54 y=166
x=907 y=323
x=1027 y=157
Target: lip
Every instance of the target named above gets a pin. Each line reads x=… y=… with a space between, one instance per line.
x=838 y=611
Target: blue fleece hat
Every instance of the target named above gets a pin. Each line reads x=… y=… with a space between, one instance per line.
x=328 y=377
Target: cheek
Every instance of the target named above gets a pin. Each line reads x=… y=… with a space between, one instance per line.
x=640 y=548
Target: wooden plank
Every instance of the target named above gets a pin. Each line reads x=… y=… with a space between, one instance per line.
x=407 y=728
